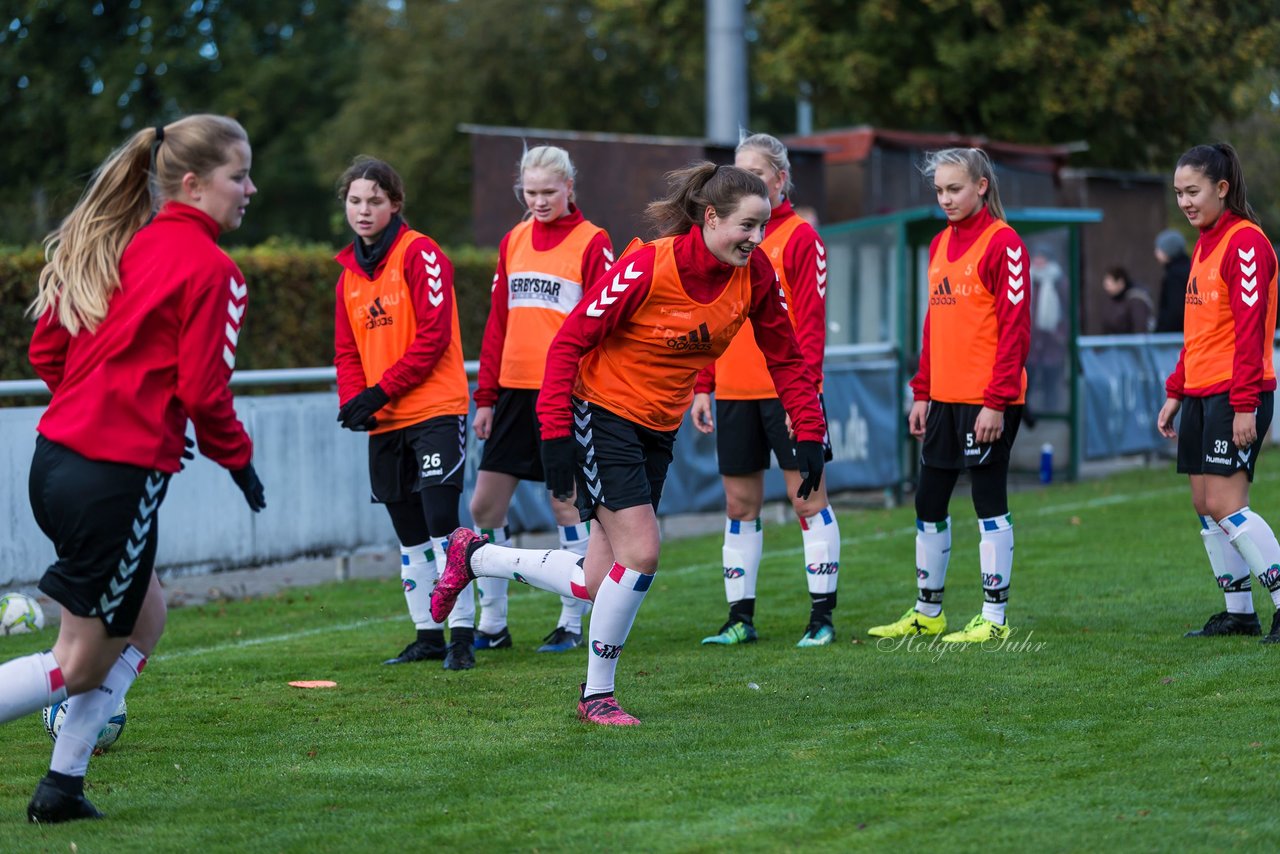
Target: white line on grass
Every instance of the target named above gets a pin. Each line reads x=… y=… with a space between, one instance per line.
x=1092 y=503
x=292 y=636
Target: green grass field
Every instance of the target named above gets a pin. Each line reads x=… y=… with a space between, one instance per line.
x=1097 y=728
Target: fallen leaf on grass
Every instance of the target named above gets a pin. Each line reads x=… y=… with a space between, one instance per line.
x=1168 y=680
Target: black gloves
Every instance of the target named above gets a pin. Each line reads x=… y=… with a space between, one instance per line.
x=187 y=453
x=357 y=413
x=559 y=465
x=247 y=479
x=809 y=456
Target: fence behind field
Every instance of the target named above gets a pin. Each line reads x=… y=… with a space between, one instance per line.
x=317 y=479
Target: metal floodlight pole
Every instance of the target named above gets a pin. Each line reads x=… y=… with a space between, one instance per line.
x=726 y=70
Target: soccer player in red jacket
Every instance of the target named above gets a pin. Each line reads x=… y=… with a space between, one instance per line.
x=138 y=315
x=1224 y=382
x=401 y=380
x=969 y=391
x=620 y=375
x=752 y=422
x=544 y=265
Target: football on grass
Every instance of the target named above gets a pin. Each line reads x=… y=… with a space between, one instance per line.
x=55 y=714
x=20 y=614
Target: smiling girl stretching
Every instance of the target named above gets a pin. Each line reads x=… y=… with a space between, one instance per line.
x=620 y=374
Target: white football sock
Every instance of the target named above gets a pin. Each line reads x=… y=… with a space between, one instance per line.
x=995 y=557
x=933 y=551
x=617 y=602
x=821 y=537
x=547 y=569
x=86 y=714
x=418 y=575
x=30 y=683
x=743 y=546
x=493 y=591
x=463 y=615
x=1229 y=569
x=1254 y=539
x=573 y=538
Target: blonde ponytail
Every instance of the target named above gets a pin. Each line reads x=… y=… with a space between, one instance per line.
x=83 y=253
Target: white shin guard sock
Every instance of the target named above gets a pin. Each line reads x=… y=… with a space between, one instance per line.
x=995 y=557
x=30 y=683
x=619 y=598
x=418 y=576
x=573 y=539
x=1229 y=569
x=1256 y=542
x=743 y=546
x=547 y=569
x=493 y=591
x=89 y=712
x=821 y=537
x=933 y=552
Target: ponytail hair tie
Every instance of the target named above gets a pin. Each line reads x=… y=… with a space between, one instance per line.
x=159 y=134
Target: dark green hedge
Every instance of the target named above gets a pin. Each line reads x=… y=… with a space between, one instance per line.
x=291 y=303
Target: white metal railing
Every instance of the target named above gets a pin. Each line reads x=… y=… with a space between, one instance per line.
x=294 y=376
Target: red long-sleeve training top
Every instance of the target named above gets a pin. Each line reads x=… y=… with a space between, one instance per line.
x=164 y=353
x=596 y=259
x=704 y=278
x=1013 y=320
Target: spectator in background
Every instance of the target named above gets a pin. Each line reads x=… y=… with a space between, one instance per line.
x=1050 y=326
x=1171 y=252
x=809 y=214
x=1130 y=309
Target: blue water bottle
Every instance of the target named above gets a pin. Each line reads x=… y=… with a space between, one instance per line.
x=1046 y=463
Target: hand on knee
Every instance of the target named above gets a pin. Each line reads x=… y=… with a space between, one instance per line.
x=809 y=507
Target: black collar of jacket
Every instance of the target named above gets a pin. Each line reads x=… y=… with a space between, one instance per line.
x=370 y=256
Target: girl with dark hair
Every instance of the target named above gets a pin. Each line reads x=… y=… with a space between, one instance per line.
x=1224 y=382
x=752 y=423
x=544 y=264
x=139 y=313
x=401 y=380
x=619 y=375
x=969 y=391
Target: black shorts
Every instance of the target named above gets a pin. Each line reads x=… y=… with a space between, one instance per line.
x=621 y=464
x=103 y=519
x=949 y=442
x=405 y=461
x=747 y=430
x=514 y=445
x=1205 y=445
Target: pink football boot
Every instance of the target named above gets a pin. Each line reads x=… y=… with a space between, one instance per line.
x=457 y=572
